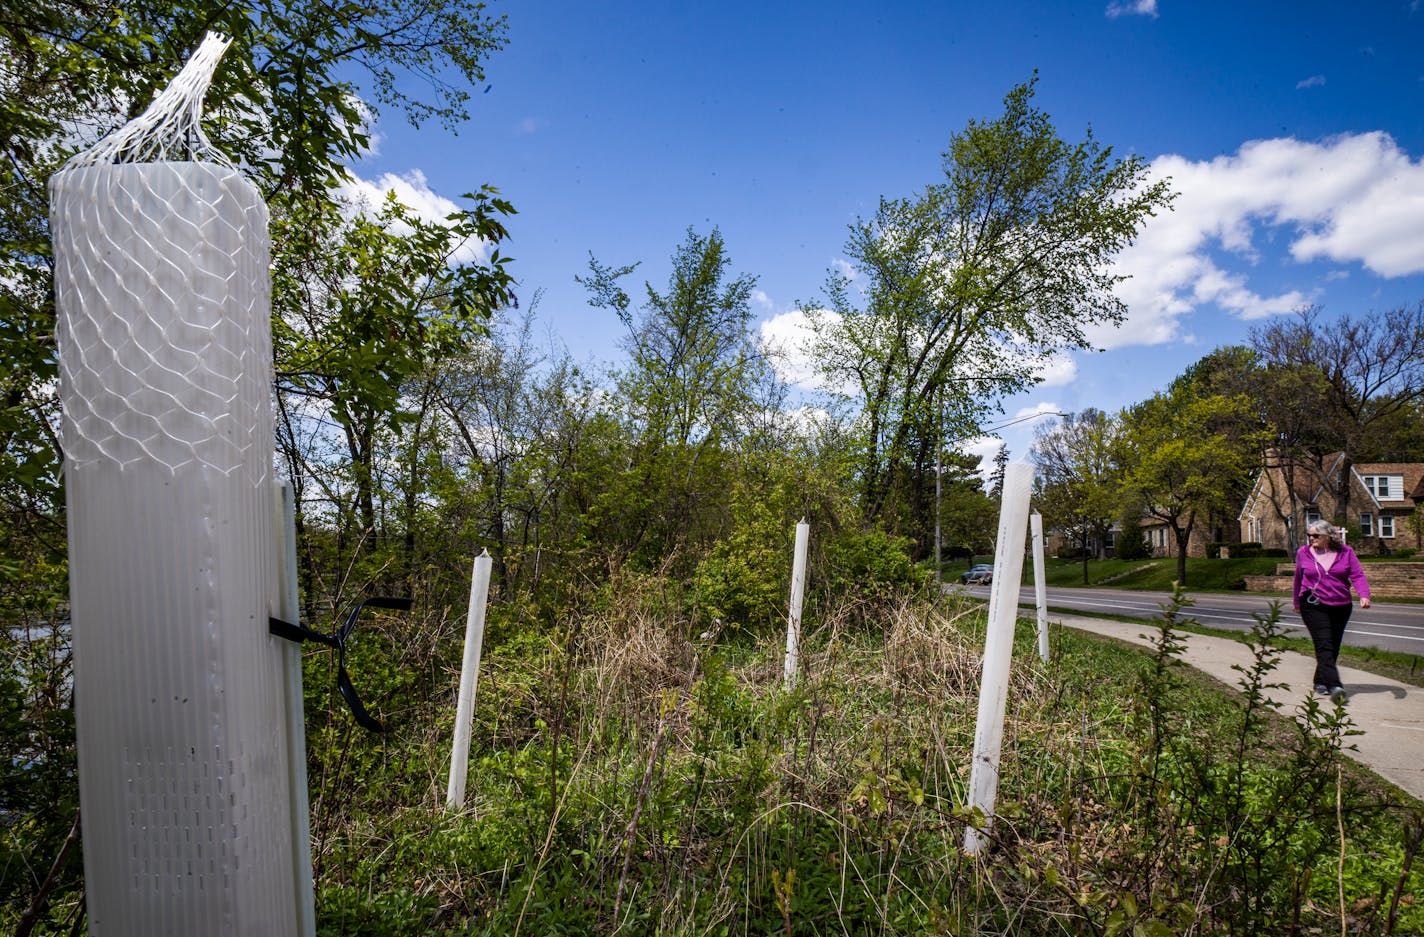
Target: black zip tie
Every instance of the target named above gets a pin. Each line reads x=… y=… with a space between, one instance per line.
x=337 y=640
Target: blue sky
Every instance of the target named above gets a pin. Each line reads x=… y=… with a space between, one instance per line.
x=1294 y=133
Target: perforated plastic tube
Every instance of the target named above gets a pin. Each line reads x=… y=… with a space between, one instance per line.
x=469 y=680
x=998 y=648
x=1040 y=584
x=161 y=277
x=798 y=589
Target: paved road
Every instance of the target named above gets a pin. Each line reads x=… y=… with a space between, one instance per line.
x=1386 y=626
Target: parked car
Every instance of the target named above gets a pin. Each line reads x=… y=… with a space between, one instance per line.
x=978 y=573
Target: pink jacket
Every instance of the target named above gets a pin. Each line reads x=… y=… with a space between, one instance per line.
x=1332 y=588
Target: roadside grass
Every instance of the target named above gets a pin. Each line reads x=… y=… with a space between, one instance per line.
x=629 y=777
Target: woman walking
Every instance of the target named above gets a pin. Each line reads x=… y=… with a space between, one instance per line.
x=1325 y=569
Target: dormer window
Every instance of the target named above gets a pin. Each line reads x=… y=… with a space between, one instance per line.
x=1384 y=487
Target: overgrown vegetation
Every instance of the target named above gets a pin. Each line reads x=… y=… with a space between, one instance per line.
x=629 y=774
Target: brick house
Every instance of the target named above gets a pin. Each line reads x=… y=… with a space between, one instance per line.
x=1163 y=543
x=1288 y=496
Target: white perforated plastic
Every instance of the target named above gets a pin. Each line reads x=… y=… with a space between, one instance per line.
x=162 y=289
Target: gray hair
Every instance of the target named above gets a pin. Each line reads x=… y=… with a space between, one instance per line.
x=1324 y=527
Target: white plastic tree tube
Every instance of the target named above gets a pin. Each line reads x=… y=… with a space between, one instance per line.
x=289 y=610
x=162 y=301
x=1040 y=587
x=998 y=648
x=469 y=681
x=798 y=589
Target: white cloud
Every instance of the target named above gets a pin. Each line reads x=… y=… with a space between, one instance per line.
x=986 y=448
x=786 y=339
x=760 y=298
x=1059 y=370
x=1132 y=8
x=1351 y=199
x=1314 y=81
x=413 y=191
x=845 y=268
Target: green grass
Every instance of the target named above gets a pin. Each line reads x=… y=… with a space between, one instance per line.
x=630 y=777
x=1203 y=575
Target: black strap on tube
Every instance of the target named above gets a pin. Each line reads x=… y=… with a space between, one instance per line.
x=337 y=639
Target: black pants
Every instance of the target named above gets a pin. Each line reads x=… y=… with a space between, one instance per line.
x=1326 y=624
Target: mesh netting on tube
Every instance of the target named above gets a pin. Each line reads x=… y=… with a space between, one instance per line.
x=162 y=292
x=171 y=127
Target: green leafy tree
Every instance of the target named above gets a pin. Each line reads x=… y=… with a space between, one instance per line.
x=961 y=293
x=690 y=393
x=1078 y=480
x=1185 y=456
x=526 y=447
x=291 y=103
x=363 y=303
x=1286 y=406
x=691 y=355
x=967 y=514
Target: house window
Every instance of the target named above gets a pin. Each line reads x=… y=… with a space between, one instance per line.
x=1386 y=525
x=1385 y=487
x=1311 y=516
x=1367 y=525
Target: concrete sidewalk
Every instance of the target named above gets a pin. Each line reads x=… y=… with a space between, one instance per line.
x=1389 y=713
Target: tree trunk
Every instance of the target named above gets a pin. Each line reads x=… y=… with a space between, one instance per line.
x=1183 y=534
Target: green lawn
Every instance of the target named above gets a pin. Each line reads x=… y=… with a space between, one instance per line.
x=1155 y=574
x=1152 y=574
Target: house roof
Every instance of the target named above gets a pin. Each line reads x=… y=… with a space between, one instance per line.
x=1306 y=480
x=1413 y=473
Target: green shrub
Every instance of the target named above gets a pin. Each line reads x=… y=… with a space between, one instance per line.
x=744 y=580
x=870 y=564
x=1131 y=544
